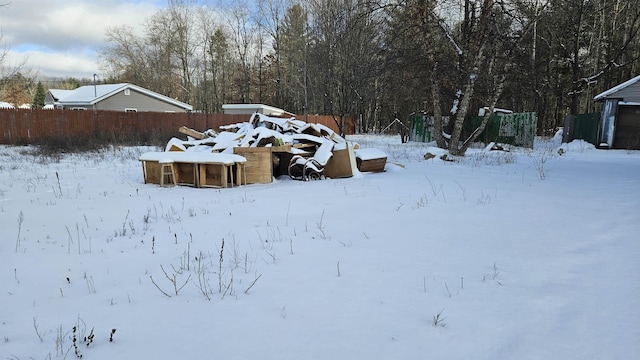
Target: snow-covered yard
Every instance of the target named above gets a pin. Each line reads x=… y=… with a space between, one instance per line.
x=525 y=254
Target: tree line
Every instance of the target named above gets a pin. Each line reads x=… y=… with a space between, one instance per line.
x=379 y=60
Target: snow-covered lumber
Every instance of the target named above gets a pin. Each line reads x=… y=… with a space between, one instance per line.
x=193 y=133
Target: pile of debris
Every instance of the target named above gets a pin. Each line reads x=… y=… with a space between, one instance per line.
x=281 y=146
x=257 y=151
x=260 y=131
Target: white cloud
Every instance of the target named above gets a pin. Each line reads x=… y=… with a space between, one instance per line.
x=55 y=64
x=61 y=38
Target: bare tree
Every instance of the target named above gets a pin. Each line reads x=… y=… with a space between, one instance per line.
x=346 y=56
x=17 y=85
x=244 y=37
x=126 y=56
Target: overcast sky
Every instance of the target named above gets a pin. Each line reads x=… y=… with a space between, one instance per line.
x=61 y=38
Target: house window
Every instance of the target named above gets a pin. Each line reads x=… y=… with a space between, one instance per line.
x=78 y=108
x=127 y=92
x=130 y=110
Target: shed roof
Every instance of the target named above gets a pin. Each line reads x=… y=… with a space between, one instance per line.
x=617 y=91
x=253 y=108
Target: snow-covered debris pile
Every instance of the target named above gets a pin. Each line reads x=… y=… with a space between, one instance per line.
x=300 y=149
x=260 y=131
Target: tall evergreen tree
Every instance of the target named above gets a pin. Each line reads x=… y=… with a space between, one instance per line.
x=218 y=52
x=293 y=53
x=38 y=98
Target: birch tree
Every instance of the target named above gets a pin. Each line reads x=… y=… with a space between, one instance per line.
x=486 y=44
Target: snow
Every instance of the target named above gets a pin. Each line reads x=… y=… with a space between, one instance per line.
x=226 y=139
x=260 y=133
x=192 y=157
x=370 y=153
x=324 y=152
x=527 y=254
x=177 y=143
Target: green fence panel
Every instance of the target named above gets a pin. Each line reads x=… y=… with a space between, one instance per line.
x=421 y=129
x=520 y=127
x=514 y=129
x=585 y=127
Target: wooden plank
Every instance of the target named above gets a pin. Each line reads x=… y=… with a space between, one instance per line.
x=259 y=166
x=186 y=174
x=212 y=175
x=371 y=165
x=151 y=172
x=193 y=133
x=340 y=165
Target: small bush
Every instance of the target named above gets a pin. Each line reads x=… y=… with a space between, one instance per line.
x=52 y=148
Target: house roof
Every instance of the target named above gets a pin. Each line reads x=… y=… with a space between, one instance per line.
x=58 y=94
x=92 y=94
x=617 y=88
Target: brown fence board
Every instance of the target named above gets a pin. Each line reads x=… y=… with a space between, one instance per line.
x=25 y=126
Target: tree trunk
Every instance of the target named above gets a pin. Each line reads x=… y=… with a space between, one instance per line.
x=437 y=111
x=463 y=108
x=460 y=116
x=485 y=120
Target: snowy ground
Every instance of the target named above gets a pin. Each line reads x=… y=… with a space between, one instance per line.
x=520 y=255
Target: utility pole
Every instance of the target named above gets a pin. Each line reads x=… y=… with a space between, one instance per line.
x=95 y=90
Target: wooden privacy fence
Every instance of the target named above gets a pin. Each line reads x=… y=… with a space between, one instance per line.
x=25 y=126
